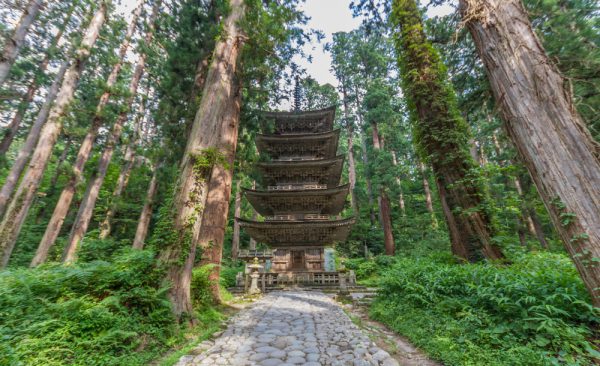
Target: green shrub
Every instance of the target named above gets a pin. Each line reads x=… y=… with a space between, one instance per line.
x=533 y=312
x=96 y=313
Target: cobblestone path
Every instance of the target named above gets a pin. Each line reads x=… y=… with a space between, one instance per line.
x=291 y=328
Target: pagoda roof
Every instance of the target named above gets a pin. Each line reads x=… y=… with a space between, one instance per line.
x=318 y=201
x=299 y=122
x=320 y=171
x=319 y=145
x=301 y=233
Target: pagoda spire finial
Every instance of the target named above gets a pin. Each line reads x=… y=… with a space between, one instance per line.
x=297 y=94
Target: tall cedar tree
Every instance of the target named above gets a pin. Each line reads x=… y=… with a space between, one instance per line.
x=543 y=123
x=15 y=123
x=85 y=149
x=207 y=163
x=88 y=203
x=15 y=41
x=442 y=137
x=19 y=207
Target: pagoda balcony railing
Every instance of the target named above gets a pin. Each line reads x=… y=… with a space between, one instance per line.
x=271 y=280
x=292 y=187
x=296 y=158
x=297 y=217
x=247 y=253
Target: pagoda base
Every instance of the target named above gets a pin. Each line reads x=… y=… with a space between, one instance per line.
x=321 y=280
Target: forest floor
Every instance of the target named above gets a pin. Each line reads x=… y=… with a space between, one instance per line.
x=303 y=327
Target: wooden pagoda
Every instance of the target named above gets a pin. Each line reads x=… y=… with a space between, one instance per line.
x=301 y=194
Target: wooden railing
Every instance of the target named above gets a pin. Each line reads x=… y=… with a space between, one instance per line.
x=271 y=280
x=291 y=187
x=246 y=253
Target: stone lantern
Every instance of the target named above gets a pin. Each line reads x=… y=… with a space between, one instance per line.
x=254 y=275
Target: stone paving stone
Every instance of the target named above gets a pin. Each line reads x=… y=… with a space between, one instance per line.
x=291 y=328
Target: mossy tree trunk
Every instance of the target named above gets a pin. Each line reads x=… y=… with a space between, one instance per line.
x=442 y=137
x=210 y=145
x=542 y=121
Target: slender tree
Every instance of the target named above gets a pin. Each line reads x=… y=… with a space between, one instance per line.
x=442 y=137
x=144 y=221
x=20 y=204
x=85 y=149
x=12 y=179
x=86 y=208
x=14 y=43
x=15 y=122
x=542 y=122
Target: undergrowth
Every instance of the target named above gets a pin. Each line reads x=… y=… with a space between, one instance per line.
x=535 y=311
x=96 y=313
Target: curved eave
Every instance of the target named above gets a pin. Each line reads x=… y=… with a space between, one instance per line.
x=300 y=233
x=269 y=203
x=316 y=113
x=268 y=143
x=290 y=171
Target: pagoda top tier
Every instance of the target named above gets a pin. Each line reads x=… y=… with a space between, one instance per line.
x=288 y=123
x=304 y=146
x=298 y=233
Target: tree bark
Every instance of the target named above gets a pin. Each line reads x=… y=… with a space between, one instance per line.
x=15 y=123
x=210 y=146
x=146 y=215
x=86 y=209
x=19 y=206
x=351 y=163
x=85 y=149
x=443 y=136
x=30 y=142
x=15 y=42
x=235 y=241
x=541 y=120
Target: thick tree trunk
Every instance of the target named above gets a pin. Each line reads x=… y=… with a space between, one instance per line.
x=15 y=123
x=144 y=222
x=428 y=199
x=30 y=142
x=20 y=204
x=541 y=120
x=210 y=146
x=443 y=137
x=235 y=241
x=14 y=43
x=399 y=183
x=85 y=149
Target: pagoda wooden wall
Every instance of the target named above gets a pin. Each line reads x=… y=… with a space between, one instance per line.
x=298 y=259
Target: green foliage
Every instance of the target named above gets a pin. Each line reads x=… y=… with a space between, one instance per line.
x=96 y=313
x=534 y=312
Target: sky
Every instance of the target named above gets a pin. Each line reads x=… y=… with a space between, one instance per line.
x=329 y=16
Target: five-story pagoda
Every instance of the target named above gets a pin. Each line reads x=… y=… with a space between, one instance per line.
x=301 y=194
